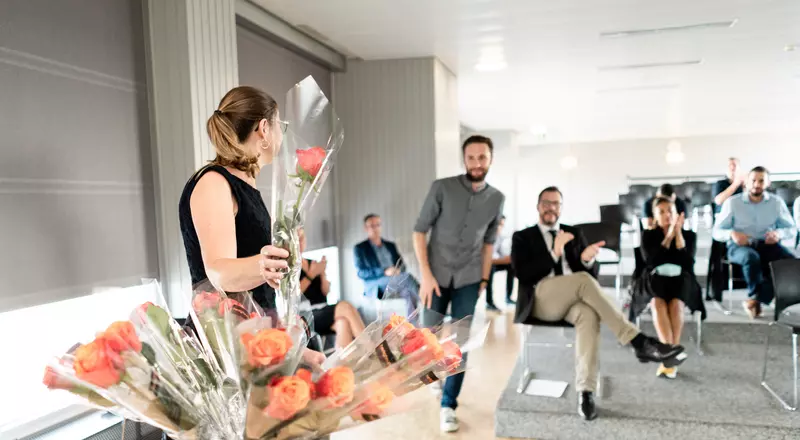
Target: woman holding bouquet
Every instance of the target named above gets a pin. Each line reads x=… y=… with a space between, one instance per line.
x=224 y=221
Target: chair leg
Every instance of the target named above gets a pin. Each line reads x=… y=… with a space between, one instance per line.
x=698 y=319
x=527 y=374
x=764 y=370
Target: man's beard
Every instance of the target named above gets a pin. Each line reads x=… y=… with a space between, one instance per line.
x=476 y=179
x=548 y=223
x=756 y=192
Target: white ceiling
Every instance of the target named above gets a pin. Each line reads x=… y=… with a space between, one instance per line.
x=747 y=82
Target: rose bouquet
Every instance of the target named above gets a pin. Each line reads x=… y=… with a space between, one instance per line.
x=216 y=315
x=147 y=369
x=304 y=162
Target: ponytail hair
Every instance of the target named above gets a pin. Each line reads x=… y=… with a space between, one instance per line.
x=238 y=115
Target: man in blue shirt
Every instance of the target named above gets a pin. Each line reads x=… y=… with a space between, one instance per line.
x=754 y=223
x=377 y=260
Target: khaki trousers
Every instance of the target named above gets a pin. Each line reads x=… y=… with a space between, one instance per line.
x=578 y=299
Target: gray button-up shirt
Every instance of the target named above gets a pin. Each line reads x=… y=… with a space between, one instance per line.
x=460 y=221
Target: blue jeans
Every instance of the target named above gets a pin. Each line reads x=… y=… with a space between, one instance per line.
x=463 y=304
x=755 y=260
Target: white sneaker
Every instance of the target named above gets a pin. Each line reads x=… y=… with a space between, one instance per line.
x=448 y=422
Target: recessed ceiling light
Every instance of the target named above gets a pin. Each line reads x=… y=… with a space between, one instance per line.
x=791 y=47
x=491 y=66
x=690 y=27
x=491 y=39
x=640 y=88
x=538 y=130
x=569 y=162
x=650 y=65
x=489 y=28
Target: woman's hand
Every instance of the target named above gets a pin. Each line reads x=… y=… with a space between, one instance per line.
x=317 y=268
x=313 y=359
x=273 y=264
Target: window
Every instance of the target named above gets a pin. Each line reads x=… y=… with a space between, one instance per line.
x=332 y=271
x=32 y=336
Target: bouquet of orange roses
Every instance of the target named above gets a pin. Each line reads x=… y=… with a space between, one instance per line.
x=148 y=369
x=310 y=143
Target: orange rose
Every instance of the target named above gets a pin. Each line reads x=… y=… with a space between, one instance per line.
x=122 y=336
x=54 y=381
x=418 y=338
x=304 y=374
x=309 y=162
x=337 y=384
x=397 y=321
x=380 y=397
x=452 y=355
x=98 y=364
x=267 y=347
x=287 y=396
x=205 y=300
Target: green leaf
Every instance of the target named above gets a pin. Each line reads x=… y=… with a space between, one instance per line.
x=148 y=353
x=160 y=319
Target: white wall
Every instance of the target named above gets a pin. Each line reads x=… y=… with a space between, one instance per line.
x=604 y=167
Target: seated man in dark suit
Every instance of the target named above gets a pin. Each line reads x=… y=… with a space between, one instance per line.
x=377 y=260
x=556 y=270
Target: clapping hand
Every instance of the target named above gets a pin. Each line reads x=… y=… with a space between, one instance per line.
x=677 y=226
x=317 y=268
x=562 y=238
x=591 y=251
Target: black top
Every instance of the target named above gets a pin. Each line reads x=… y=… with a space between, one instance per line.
x=314 y=293
x=532 y=262
x=680 y=206
x=252 y=228
x=655 y=255
x=720 y=186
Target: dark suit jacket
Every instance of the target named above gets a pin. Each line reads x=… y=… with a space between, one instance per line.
x=532 y=262
x=369 y=268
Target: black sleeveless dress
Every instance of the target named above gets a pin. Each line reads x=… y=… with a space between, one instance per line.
x=253 y=228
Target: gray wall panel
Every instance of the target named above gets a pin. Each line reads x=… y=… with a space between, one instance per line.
x=387 y=163
x=75 y=167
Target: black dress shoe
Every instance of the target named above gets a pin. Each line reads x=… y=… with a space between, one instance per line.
x=654 y=351
x=586 y=407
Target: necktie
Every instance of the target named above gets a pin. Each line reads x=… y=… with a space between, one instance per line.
x=559 y=269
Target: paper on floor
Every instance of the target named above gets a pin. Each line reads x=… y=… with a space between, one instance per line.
x=546 y=388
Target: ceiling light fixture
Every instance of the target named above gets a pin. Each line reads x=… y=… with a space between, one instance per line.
x=791 y=47
x=569 y=162
x=650 y=65
x=689 y=27
x=491 y=39
x=640 y=88
x=675 y=152
x=491 y=66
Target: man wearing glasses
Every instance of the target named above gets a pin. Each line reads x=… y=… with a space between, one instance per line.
x=556 y=269
x=377 y=259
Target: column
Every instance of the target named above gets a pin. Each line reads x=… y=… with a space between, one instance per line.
x=401 y=133
x=191 y=64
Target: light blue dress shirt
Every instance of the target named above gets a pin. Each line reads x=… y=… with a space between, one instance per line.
x=740 y=214
x=383 y=255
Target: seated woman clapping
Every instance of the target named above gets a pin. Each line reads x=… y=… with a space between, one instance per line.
x=341 y=319
x=668 y=281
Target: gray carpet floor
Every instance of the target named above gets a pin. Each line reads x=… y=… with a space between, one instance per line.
x=716 y=396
